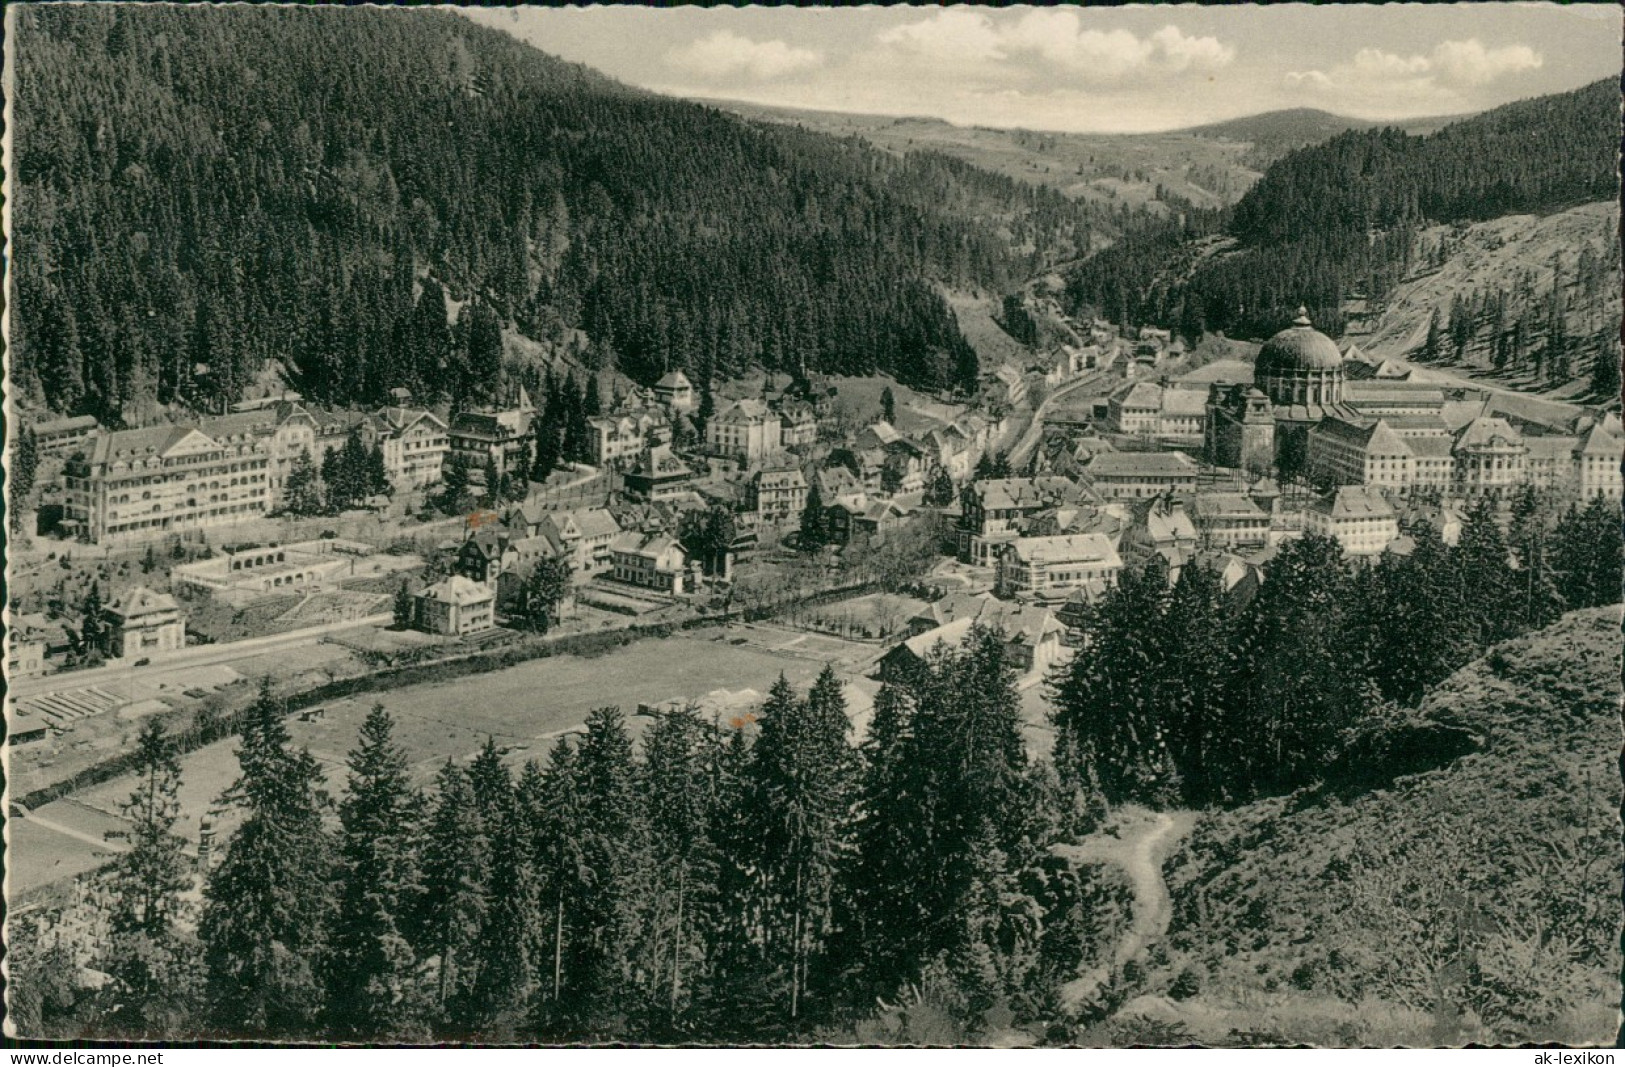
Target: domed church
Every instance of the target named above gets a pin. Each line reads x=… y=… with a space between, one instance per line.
x=1297 y=382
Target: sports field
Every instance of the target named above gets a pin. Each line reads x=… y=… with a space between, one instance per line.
x=525 y=708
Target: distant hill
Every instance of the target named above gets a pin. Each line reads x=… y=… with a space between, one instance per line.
x=1477 y=900
x=1342 y=217
x=1281 y=131
x=1156 y=175
x=202 y=192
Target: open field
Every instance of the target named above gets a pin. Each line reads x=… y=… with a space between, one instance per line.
x=525 y=708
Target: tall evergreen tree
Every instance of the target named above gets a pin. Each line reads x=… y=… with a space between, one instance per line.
x=451 y=908
x=146 y=959
x=268 y=905
x=372 y=991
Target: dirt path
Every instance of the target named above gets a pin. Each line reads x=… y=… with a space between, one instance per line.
x=1143 y=841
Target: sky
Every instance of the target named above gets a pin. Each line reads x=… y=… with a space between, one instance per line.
x=1081 y=69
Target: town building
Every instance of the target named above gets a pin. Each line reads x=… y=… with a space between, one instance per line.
x=270 y=568
x=496 y=436
x=746 y=430
x=1346 y=452
x=675 y=391
x=414 y=443
x=1240 y=428
x=24 y=657
x=659 y=475
x=455 y=607
x=62 y=437
x=798 y=423
x=131 y=486
x=1137 y=475
x=778 y=496
x=650 y=561
x=1161 y=528
x=613 y=439
x=993 y=511
x=1032 y=637
x=1358 y=518
x=584 y=535
x=1229 y=520
x=1157 y=409
x=1052 y=567
x=141 y=623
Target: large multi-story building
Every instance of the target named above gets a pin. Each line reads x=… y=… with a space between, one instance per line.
x=675 y=391
x=1158 y=409
x=414 y=443
x=131 y=486
x=746 y=430
x=456 y=606
x=497 y=436
x=992 y=512
x=778 y=496
x=1358 y=518
x=651 y=561
x=1137 y=475
x=1341 y=452
x=1053 y=567
x=613 y=439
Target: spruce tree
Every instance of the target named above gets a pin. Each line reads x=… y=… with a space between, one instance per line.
x=452 y=906
x=302 y=492
x=146 y=959
x=268 y=905
x=507 y=949
x=23 y=465
x=677 y=809
x=801 y=780
x=613 y=844
x=405 y=607
x=563 y=874
x=888 y=405
x=372 y=991
x=1488 y=584
x=814 y=520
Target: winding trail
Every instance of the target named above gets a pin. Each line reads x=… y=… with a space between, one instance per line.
x=1143 y=842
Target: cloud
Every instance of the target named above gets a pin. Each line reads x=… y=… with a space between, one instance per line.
x=725 y=54
x=1450 y=66
x=1470 y=63
x=1057 y=38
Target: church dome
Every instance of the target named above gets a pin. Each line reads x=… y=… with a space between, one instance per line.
x=1299 y=347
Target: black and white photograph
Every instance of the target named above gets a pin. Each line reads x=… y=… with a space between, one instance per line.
x=949 y=526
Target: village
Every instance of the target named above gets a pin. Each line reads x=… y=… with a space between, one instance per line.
x=769 y=527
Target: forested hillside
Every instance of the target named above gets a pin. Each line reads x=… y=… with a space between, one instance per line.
x=1338 y=218
x=200 y=192
x=1474 y=902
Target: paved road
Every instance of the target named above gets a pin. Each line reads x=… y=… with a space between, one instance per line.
x=195 y=656
x=1029 y=440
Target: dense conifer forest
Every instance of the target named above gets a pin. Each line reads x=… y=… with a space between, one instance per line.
x=201 y=193
x=1337 y=218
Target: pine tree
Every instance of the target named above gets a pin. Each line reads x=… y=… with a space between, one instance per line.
x=146 y=959
x=1487 y=581
x=377 y=477
x=1106 y=701
x=677 y=810
x=801 y=782
x=451 y=910
x=814 y=520
x=268 y=905
x=372 y=991
x=509 y=938
x=562 y=871
x=302 y=492
x=405 y=607
x=1586 y=554
x=23 y=465
x=542 y=592
x=941 y=491
x=454 y=493
x=613 y=846
x=888 y=405
x=493 y=482
x=1433 y=347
